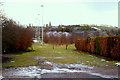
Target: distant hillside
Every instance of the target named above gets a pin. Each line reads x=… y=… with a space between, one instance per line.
x=107 y=28
x=110 y=30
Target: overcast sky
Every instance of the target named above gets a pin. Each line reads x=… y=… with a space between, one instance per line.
x=63 y=11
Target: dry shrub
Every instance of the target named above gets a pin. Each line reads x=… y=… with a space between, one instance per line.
x=15 y=37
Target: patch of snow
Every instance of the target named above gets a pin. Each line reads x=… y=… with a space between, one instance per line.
x=117 y=64
x=36 y=71
x=58 y=70
x=1 y=77
x=104 y=76
x=35 y=41
x=39 y=57
x=50 y=63
x=95 y=28
x=102 y=60
x=80 y=66
x=31 y=71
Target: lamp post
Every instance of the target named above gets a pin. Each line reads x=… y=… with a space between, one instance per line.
x=38 y=29
x=42 y=23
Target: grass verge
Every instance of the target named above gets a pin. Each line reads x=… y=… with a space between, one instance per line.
x=70 y=56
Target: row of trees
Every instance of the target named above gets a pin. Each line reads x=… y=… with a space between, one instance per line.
x=15 y=37
x=58 y=38
x=66 y=38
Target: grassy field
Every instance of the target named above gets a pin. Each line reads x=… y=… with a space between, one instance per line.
x=70 y=56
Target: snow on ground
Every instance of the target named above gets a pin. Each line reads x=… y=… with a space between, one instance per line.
x=37 y=71
x=95 y=28
x=117 y=64
x=39 y=57
x=35 y=41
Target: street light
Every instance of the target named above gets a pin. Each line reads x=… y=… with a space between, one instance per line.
x=42 y=23
x=38 y=28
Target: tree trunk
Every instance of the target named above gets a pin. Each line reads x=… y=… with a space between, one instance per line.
x=53 y=46
x=66 y=46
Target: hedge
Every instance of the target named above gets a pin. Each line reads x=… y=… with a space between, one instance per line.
x=103 y=46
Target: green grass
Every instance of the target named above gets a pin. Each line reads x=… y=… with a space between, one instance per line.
x=70 y=56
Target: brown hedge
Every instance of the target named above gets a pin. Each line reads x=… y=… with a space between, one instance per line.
x=104 y=46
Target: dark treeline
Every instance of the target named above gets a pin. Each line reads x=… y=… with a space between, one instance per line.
x=15 y=37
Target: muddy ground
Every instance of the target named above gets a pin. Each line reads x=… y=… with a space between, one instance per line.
x=47 y=69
